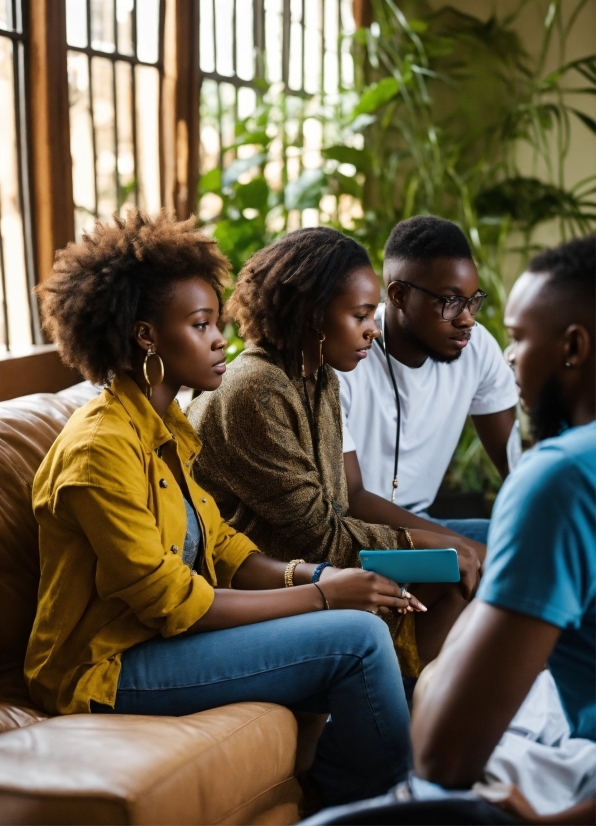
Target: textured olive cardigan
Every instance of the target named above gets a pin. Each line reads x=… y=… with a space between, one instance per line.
x=258 y=462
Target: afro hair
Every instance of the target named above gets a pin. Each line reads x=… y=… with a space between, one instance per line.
x=425 y=237
x=119 y=273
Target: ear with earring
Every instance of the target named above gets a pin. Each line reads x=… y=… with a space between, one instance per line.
x=321 y=336
x=150 y=384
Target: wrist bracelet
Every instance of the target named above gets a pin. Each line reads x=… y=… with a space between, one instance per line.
x=319 y=570
x=326 y=608
x=289 y=572
x=406 y=533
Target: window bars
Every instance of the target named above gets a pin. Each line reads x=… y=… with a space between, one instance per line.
x=19 y=326
x=301 y=46
x=115 y=66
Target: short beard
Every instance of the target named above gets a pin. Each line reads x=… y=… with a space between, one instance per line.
x=438 y=358
x=548 y=417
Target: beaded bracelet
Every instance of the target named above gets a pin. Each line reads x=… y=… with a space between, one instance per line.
x=289 y=572
x=406 y=533
x=319 y=570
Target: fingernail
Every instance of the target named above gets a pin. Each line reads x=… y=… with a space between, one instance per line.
x=407 y=595
x=423 y=607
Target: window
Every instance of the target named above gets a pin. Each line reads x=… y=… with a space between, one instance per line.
x=301 y=50
x=115 y=65
x=18 y=315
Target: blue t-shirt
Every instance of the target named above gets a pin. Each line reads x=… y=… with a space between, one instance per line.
x=542 y=560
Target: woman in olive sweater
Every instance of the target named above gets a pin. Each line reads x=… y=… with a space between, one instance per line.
x=272 y=433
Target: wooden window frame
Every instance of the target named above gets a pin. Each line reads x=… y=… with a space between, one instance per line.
x=48 y=198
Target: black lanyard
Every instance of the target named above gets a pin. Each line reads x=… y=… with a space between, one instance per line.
x=381 y=341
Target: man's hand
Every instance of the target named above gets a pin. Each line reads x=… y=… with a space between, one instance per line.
x=371 y=508
x=469 y=563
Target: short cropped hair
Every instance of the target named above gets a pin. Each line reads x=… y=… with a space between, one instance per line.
x=571 y=267
x=119 y=273
x=426 y=237
x=290 y=284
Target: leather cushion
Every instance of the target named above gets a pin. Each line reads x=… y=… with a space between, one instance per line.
x=12 y=716
x=218 y=766
x=28 y=427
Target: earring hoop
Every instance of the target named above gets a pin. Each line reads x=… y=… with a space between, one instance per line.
x=149 y=388
x=321 y=340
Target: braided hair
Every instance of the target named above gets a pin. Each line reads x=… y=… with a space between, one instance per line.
x=288 y=286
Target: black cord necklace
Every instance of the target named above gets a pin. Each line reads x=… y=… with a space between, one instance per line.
x=382 y=342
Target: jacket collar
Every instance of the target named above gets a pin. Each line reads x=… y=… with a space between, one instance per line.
x=273 y=356
x=153 y=431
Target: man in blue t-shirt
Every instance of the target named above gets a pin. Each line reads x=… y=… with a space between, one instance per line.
x=536 y=601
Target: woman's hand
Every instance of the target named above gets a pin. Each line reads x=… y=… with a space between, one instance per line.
x=467 y=558
x=365 y=591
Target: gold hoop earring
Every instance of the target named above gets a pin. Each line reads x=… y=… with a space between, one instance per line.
x=149 y=388
x=321 y=340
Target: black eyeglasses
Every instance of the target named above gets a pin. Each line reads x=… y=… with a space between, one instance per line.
x=453 y=305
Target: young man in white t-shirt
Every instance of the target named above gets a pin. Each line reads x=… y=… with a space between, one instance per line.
x=443 y=365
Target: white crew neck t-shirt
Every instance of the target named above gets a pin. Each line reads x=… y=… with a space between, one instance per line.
x=435 y=400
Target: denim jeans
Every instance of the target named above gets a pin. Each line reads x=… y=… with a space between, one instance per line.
x=476 y=529
x=338 y=662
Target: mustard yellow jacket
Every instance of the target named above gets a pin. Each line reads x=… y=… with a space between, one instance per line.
x=112 y=524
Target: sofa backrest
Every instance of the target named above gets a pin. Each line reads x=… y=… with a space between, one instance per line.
x=28 y=427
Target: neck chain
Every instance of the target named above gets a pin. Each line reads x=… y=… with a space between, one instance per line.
x=382 y=342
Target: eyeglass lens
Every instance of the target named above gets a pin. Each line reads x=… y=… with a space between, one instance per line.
x=452 y=309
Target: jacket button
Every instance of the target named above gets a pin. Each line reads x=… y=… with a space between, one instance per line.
x=204 y=501
x=163 y=483
x=174 y=549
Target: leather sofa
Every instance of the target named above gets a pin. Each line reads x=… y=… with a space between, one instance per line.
x=235 y=764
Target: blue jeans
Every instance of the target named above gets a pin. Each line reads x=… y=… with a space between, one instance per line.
x=338 y=662
x=476 y=529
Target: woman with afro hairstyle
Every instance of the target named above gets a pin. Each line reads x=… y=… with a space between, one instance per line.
x=272 y=433
x=149 y=603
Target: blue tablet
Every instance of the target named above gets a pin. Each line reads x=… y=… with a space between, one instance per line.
x=432 y=565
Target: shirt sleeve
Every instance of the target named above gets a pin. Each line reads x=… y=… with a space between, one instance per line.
x=132 y=564
x=536 y=564
x=272 y=475
x=348 y=443
x=496 y=389
x=231 y=550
